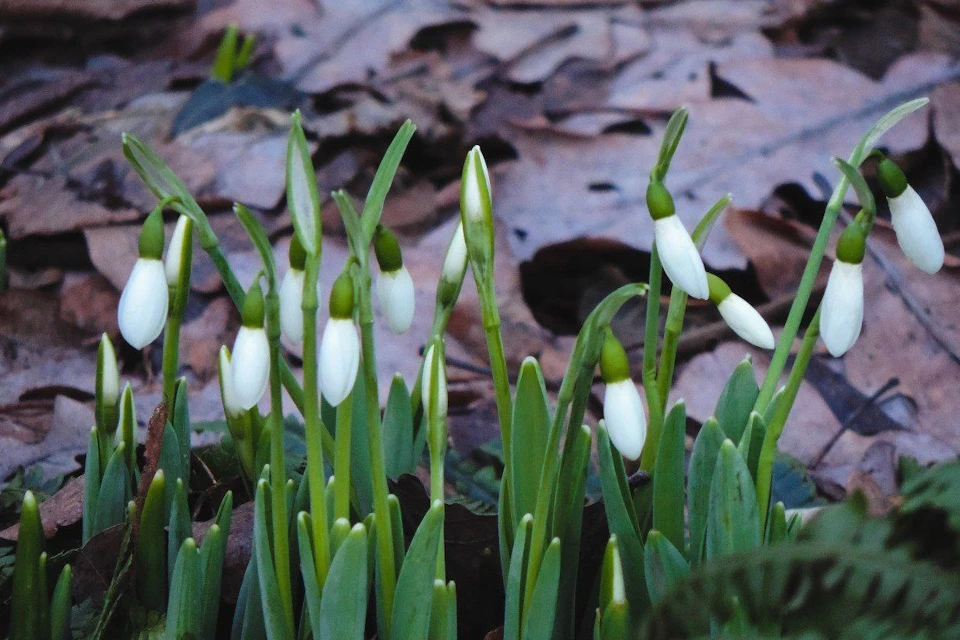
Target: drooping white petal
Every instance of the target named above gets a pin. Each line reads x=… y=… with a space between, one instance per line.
x=427 y=382
x=109 y=373
x=397 y=298
x=250 y=365
x=623 y=414
x=745 y=321
x=339 y=359
x=841 y=316
x=680 y=258
x=143 y=303
x=175 y=251
x=228 y=394
x=916 y=230
x=291 y=305
x=456 y=259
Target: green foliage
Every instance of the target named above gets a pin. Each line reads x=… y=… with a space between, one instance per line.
x=840 y=579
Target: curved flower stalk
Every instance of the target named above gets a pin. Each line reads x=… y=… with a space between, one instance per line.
x=679 y=255
x=394 y=286
x=745 y=321
x=622 y=407
x=144 y=301
x=250 y=363
x=915 y=228
x=841 y=317
x=291 y=293
x=339 y=347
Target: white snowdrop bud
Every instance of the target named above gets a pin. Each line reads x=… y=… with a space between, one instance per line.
x=339 y=346
x=250 y=361
x=745 y=321
x=622 y=407
x=678 y=254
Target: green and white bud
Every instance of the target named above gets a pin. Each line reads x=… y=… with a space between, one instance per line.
x=678 y=254
x=455 y=261
x=915 y=227
x=108 y=374
x=142 y=311
x=228 y=395
x=841 y=312
x=395 y=289
x=182 y=235
x=622 y=407
x=475 y=196
x=291 y=293
x=476 y=214
x=745 y=321
x=251 y=352
x=339 y=346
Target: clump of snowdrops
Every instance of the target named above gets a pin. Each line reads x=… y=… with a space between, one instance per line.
x=327 y=539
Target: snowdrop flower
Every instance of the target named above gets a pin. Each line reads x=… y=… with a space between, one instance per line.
x=291 y=293
x=250 y=362
x=339 y=346
x=622 y=408
x=678 y=254
x=182 y=235
x=394 y=286
x=915 y=228
x=434 y=360
x=739 y=315
x=228 y=395
x=841 y=312
x=143 y=303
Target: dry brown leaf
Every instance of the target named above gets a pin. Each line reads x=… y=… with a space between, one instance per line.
x=33 y=92
x=87 y=9
x=777 y=248
x=69 y=431
x=62 y=509
x=89 y=302
x=354 y=41
x=201 y=338
x=945 y=102
x=36 y=205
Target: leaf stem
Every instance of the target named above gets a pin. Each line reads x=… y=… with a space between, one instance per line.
x=775 y=427
x=651 y=336
x=341 y=469
x=311 y=418
x=378 y=469
x=278 y=470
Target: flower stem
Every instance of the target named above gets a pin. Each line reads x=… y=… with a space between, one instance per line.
x=171 y=357
x=313 y=426
x=768 y=451
x=671 y=339
x=498 y=366
x=651 y=336
x=341 y=470
x=807 y=282
x=278 y=470
x=378 y=468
